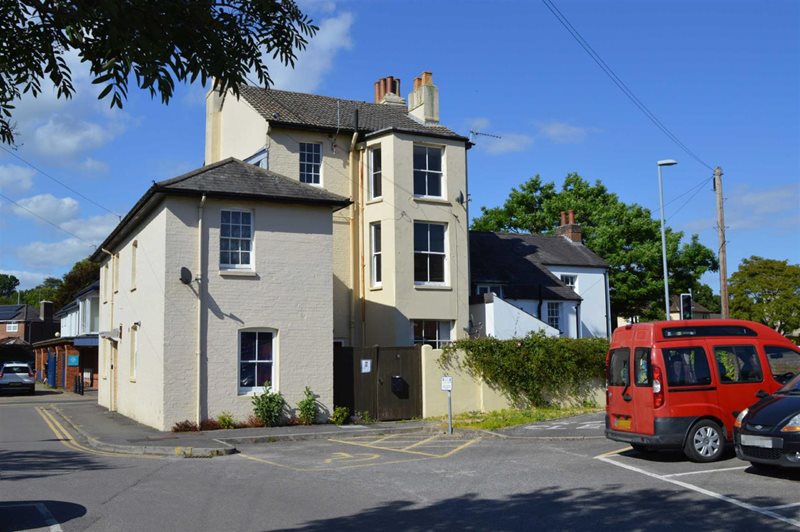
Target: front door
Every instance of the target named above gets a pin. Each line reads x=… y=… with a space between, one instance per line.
x=113 y=379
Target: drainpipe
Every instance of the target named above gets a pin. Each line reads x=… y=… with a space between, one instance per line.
x=608 y=305
x=578 y=320
x=111 y=392
x=199 y=278
x=354 y=218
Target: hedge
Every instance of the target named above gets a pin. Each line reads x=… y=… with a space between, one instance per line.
x=535 y=370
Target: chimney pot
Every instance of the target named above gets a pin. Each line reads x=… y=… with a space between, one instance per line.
x=378 y=91
x=571 y=216
x=563 y=218
x=427 y=78
x=417 y=82
x=390 y=84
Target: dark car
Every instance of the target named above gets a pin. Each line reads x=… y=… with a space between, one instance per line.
x=768 y=433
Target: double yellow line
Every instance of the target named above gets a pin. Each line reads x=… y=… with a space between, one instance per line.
x=66 y=439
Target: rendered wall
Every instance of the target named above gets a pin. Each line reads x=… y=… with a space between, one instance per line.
x=591 y=286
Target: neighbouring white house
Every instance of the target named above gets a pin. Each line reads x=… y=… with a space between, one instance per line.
x=400 y=260
x=524 y=283
x=214 y=284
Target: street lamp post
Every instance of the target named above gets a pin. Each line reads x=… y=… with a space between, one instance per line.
x=665 y=162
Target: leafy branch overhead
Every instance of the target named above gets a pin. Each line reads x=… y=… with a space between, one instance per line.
x=151 y=42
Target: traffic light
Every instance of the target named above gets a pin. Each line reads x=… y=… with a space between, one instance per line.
x=686 y=306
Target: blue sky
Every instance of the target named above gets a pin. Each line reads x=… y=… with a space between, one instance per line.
x=722 y=75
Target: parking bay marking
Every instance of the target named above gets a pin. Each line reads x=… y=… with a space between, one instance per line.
x=705 y=471
x=765 y=511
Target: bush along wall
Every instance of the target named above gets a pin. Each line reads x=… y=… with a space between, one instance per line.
x=535 y=370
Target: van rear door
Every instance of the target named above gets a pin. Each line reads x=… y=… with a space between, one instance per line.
x=619 y=401
x=740 y=375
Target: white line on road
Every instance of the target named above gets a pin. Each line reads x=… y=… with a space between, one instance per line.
x=781 y=507
x=708 y=493
x=705 y=471
x=41 y=507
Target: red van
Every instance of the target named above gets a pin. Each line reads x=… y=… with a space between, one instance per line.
x=681 y=384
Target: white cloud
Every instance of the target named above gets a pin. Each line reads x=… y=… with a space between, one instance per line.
x=317 y=59
x=477 y=123
x=756 y=209
x=94 y=166
x=63 y=136
x=94 y=229
x=27 y=279
x=50 y=254
x=47 y=206
x=15 y=178
x=564 y=133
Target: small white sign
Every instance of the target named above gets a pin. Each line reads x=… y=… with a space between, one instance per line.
x=447 y=384
x=366 y=365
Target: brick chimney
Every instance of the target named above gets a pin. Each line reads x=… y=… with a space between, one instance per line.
x=46 y=310
x=569 y=228
x=387 y=92
x=423 y=101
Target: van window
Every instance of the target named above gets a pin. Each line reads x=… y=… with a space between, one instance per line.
x=687 y=366
x=708 y=330
x=643 y=372
x=784 y=363
x=738 y=363
x=618 y=371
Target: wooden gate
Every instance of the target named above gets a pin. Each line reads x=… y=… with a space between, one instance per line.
x=384 y=381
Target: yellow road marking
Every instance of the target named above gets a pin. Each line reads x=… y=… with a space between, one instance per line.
x=426 y=440
x=349 y=458
x=66 y=439
x=612 y=453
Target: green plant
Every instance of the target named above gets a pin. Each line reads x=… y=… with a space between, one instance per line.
x=307 y=407
x=185 y=426
x=226 y=421
x=534 y=370
x=340 y=415
x=209 y=424
x=364 y=418
x=269 y=407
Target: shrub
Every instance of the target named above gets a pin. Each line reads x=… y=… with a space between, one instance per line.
x=185 y=426
x=307 y=408
x=269 y=407
x=340 y=415
x=249 y=423
x=226 y=421
x=209 y=424
x=533 y=370
x=363 y=418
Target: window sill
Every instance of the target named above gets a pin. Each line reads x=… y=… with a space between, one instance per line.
x=439 y=287
x=376 y=288
x=432 y=200
x=371 y=201
x=132 y=380
x=238 y=273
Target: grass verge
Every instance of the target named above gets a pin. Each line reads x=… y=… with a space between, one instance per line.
x=499 y=419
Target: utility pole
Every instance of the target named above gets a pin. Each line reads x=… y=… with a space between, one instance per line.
x=723 y=257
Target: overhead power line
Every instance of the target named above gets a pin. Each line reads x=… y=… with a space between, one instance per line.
x=90 y=200
x=45 y=220
x=619 y=83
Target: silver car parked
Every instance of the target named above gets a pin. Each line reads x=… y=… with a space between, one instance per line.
x=16 y=377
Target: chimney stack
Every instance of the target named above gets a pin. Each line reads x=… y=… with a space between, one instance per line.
x=46 y=310
x=423 y=102
x=387 y=91
x=569 y=228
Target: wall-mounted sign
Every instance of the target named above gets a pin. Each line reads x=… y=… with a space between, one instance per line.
x=73 y=360
x=366 y=365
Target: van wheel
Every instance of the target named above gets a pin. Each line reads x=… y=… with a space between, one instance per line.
x=705 y=442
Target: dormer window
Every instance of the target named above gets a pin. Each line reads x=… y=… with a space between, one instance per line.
x=310 y=162
x=428 y=171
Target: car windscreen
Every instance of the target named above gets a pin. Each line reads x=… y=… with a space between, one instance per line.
x=784 y=362
x=16 y=369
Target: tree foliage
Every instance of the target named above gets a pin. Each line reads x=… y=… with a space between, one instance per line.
x=625 y=236
x=83 y=273
x=767 y=291
x=8 y=283
x=151 y=42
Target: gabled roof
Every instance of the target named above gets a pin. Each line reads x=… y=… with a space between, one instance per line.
x=517 y=261
x=300 y=110
x=17 y=313
x=229 y=178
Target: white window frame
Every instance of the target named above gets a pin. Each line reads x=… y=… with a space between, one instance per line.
x=375 y=246
x=134 y=354
x=115 y=273
x=251 y=240
x=443 y=336
x=134 y=249
x=430 y=253
x=105 y=282
x=250 y=390
x=570 y=280
x=12 y=327
x=429 y=172
x=259 y=158
x=554 y=314
x=310 y=177
x=495 y=289
x=375 y=176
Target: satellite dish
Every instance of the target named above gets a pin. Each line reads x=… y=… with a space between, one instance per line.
x=186 y=275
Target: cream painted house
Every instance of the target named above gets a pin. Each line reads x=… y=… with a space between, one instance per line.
x=400 y=251
x=215 y=282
